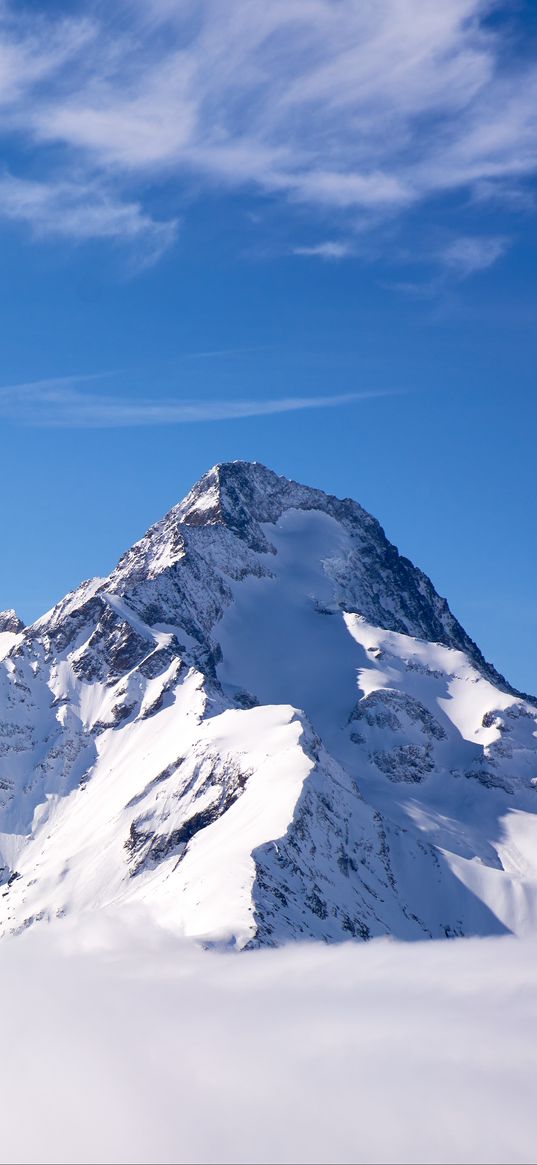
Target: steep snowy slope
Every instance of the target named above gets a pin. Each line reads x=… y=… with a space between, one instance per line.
x=10 y=629
x=265 y=724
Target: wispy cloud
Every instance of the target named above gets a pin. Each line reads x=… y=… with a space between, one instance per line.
x=456 y=260
x=34 y=49
x=353 y=109
x=328 y=250
x=60 y=403
x=470 y=253
x=81 y=211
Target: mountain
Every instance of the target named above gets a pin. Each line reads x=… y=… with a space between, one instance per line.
x=10 y=628
x=264 y=725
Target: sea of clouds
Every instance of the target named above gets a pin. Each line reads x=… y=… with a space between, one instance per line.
x=122 y=1043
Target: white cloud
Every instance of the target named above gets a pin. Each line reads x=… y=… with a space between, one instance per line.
x=59 y=403
x=347 y=108
x=470 y=253
x=123 y=1043
x=81 y=211
x=34 y=49
x=327 y=250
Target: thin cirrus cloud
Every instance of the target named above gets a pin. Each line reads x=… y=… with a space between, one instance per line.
x=70 y=210
x=352 y=109
x=59 y=403
x=471 y=253
x=458 y=259
x=330 y=250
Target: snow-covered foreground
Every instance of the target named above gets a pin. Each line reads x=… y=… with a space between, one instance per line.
x=123 y=1044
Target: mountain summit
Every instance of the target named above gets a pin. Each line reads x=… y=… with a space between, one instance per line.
x=265 y=724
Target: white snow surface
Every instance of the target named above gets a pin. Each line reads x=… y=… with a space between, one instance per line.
x=265 y=725
x=130 y=1045
x=8 y=639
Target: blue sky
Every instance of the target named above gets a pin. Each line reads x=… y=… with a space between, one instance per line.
x=302 y=233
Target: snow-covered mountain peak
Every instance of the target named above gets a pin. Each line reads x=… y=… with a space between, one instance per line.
x=244 y=495
x=265 y=723
x=11 y=628
x=182 y=572
x=9 y=621
x=246 y=500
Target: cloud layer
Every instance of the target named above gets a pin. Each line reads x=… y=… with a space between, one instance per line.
x=355 y=109
x=124 y=1044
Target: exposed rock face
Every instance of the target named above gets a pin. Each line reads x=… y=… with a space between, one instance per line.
x=9 y=621
x=264 y=724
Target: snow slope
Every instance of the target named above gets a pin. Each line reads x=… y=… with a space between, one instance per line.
x=10 y=629
x=265 y=725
